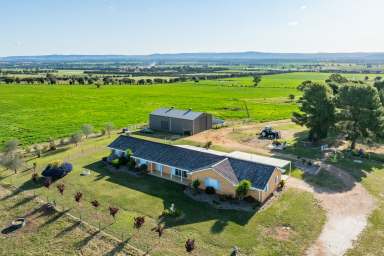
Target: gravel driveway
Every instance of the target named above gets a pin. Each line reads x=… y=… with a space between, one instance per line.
x=347 y=213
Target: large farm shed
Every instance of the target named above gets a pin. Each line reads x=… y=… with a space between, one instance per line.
x=186 y=122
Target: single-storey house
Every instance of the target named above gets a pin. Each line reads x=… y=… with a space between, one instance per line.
x=185 y=122
x=184 y=165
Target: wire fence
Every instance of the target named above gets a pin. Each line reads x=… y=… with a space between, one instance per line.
x=98 y=220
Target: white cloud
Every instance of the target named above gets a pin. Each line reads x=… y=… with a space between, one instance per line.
x=293 y=23
x=303 y=7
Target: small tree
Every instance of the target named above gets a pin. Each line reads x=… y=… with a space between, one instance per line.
x=76 y=138
x=256 y=80
x=291 y=97
x=78 y=197
x=47 y=182
x=139 y=221
x=12 y=161
x=196 y=184
x=61 y=187
x=87 y=130
x=96 y=205
x=113 y=211
x=10 y=147
x=190 y=245
x=242 y=188
x=109 y=128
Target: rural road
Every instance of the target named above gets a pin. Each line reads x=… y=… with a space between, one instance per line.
x=347 y=213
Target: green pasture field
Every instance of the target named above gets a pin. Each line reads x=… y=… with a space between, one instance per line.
x=34 y=113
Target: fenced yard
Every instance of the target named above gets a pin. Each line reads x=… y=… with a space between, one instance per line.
x=216 y=231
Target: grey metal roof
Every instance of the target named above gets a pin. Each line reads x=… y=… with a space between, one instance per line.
x=224 y=168
x=192 y=160
x=177 y=113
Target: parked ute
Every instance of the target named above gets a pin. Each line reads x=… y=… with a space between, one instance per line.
x=268 y=133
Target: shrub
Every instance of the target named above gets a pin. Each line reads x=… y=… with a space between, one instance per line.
x=78 y=197
x=115 y=163
x=123 y=160
x=95 y=203
x=210 y=190
x=250 y=199
x=190 y=245
x=47 y=182
x=208 y=144
x=196 y=184
x=143 y=168
x=113 y=211
x=139 y=221
x=242 y=188
x=104 y=159
x=282 y=184
x=60 y=188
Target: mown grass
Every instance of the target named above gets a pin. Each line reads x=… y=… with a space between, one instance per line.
x=215 y=231
x=49 y=233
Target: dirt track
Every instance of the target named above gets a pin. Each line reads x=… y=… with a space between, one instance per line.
x=347 y=214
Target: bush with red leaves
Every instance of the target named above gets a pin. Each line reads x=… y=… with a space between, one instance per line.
x=78 y=197
x=190 y=245
x=60 y=188
x=47 y=182
x=113 y=211
x=95 y=203
x=139 y=221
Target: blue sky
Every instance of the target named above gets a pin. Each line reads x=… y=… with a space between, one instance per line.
x=168 y=26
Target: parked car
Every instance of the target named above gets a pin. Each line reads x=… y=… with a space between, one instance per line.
x=57 y=170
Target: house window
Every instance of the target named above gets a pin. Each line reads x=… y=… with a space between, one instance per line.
x=179 y=173
x=276 y=179
x=209 y=182
x=159 y=167
x=266 y=188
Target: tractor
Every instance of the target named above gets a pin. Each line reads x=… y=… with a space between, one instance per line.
x=268 y=133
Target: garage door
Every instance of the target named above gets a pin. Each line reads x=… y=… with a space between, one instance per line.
x=209 y=182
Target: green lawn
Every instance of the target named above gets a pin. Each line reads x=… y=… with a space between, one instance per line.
x=49 y=233
x=215 y=231
x=33 y=113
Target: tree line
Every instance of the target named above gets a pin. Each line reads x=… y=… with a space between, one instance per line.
x=354 y=109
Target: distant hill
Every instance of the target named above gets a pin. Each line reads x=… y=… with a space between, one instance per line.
x=232 y=57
